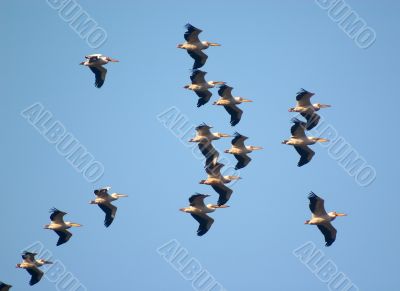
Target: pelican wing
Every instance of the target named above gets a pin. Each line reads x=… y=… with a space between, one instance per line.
x=203 y=130
x=305 y=153
x=238 y=140
x=57 y=216
x=224 y=192
x=312 y=119
x=235 y=113
x=110 y=211
x=298 y=128
x=192 y=33
x=102 y=193
x=197 y=200
x=36 y=275
x=204 y=97
x=28 y=257
x=210 y=153
x=316 y=205
x=4 y=286
x=100 y=74
x=225 y=92
x=197 y=77
x=199 y=57
x=214 y=170
x=64 y=236
x=243 y=161
x=303 y=98
x=204 y=221
x=329 y=233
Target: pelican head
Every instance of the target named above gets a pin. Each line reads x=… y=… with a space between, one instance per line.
x=243 y=100
x=318 y=106
x=255 y=148
x=222 y=134
x=116 y=195
x=215 y=206
x=112 y=60
x=215 y=83
x=73 y=224
x=207 y=43
x=319 y=139
x=335 y=214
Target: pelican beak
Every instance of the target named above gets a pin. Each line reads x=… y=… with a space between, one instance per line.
x=223 y=206
x=76 y=224
x=341 y=214
x=113 y=60
x=247 y=100
x=81 y=63
x=219 y=83
x=214 y=44
x=182 y=209
x=186 y=87
x=179 y=45
x=323 y=140
x=202 y=181
x=122 y=195
x=325 y=106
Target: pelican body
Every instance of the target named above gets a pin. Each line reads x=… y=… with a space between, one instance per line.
x=194 y=46
x=322 y=219
x=31 y=265
x=201 y=87
x=95 y=63
x=199 y=212
x=240 y=150
x=103 y=200
x=300 y=141
x=59 y=226
x=307 y=109
x=217 y=181
x=229 y=103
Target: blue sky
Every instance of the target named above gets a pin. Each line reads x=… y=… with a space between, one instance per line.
x=269 y=50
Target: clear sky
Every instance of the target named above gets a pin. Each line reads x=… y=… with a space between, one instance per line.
x=270 y=49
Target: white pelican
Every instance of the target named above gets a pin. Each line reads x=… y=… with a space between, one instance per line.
x=240 y=151
x=59 y=226
x=200 y=86
x=95 y=63
x=103 y=200
x=32 y=268
x=229 y=102
x=306 y=109
x=322 y=219
x=300 y=141
x=4 y=286
x=31 y=257
x=204 y=137
x=199 y=211
x=194 y=46
x=217 y=182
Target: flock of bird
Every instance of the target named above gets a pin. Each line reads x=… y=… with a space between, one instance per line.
x=60 y=227
x=204 y=138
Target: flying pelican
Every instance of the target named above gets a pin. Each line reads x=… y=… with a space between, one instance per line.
x=31 y=257
x=200 y=86
x=240 y=151
x=95 y=63
x=204 y=137
x=30 y=265
x=103 y=200
x=59 y=226
x=229 y=102
x=194 y=46
x=306 y=109
x=322 y=219
x=4 y=286
x=198 y=210
x=217 y=181
x=300 y=141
